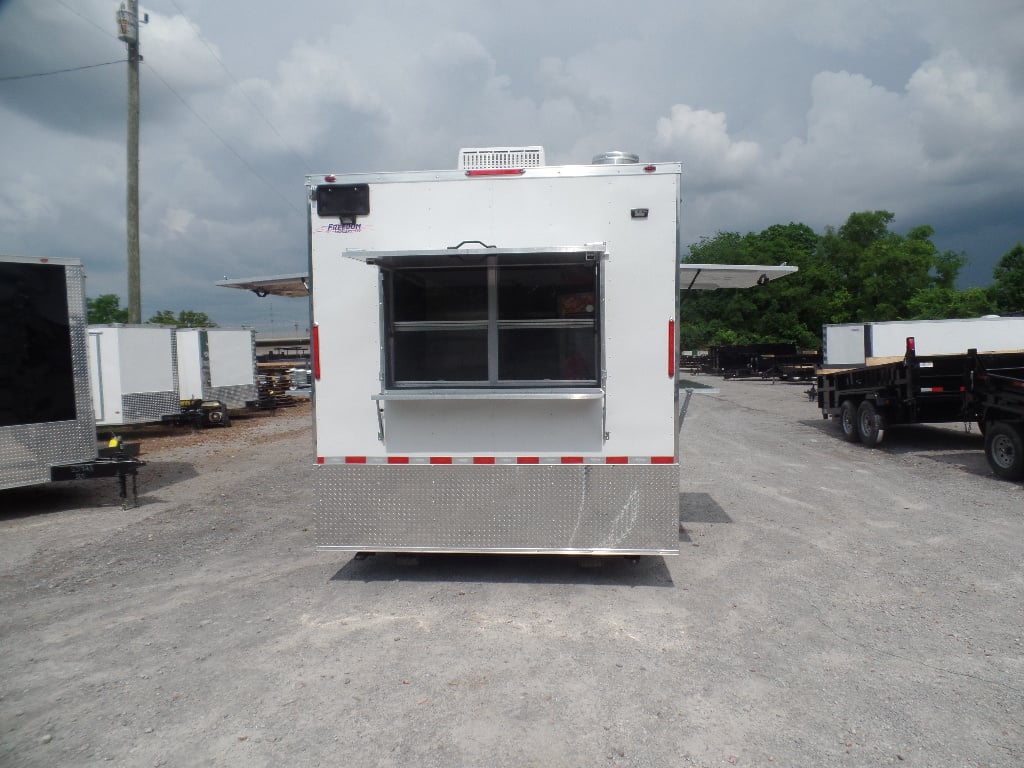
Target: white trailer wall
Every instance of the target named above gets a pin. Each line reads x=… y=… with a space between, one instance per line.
x=852 y=343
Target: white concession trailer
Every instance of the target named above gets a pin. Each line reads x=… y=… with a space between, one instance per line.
x=494 y=355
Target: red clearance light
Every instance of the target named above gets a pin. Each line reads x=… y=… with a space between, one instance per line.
x=911 y=344
x=650 y=168
x=330 y=177
x=316 y=351
x=497 y=172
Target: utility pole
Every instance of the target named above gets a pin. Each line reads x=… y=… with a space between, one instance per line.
x=128 y=31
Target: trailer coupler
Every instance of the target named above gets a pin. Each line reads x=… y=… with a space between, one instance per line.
x=118 y=461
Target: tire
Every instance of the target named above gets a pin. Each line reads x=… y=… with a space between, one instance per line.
x=1004 y=450
x=871 y=424
x=848 y=420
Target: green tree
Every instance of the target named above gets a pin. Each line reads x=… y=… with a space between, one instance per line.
x=858 y=272
x=779 y=311
x=186 y=318
x=881 y=270
x=105 y=309
x=942 y=303
x=1007 y=290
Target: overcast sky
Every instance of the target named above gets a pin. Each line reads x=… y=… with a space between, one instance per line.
x=779 y=110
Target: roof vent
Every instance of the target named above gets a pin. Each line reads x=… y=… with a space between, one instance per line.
x=496 y=158
x=615 y=157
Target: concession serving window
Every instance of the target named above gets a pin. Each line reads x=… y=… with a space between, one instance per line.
x=490 y=318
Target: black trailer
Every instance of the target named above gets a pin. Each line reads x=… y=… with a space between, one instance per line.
x=917 y=389
x=738 y=361
x=47 y=424
x=995 y=398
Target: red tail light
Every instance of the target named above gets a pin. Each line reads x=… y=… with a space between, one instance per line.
x=911 y=344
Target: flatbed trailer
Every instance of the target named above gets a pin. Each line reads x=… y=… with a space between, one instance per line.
x=995 y=398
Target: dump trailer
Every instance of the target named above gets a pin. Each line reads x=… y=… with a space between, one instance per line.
x=914 y=389
x=132 y=374
x=995 y=398
x=854 y=344
x=494 y=355
x=47 y=425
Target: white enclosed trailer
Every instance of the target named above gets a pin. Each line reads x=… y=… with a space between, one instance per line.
x=132 y=373
x=217 y=364
x=47 y=427
x=854 y=344
x=494 y=356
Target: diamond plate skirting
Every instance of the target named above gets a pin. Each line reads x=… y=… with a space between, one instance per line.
x=589 y=509
x=142 y=407
x=235 y=396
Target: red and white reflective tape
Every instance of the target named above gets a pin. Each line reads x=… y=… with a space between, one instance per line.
x=940 y=389
x=494 y=460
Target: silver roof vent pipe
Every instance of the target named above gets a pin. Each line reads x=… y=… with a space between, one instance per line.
x=615 y=157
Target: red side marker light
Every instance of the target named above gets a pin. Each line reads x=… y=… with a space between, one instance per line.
x=650 y=168
x=330 y=177
x=671 y=348
x=316 y=351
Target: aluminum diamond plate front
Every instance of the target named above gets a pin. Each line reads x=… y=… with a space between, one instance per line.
x=593 y=509
x=142 y=407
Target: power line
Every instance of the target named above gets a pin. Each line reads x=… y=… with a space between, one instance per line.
x=238 y=85
x=222 y=140
x=62 y=71
x=86 y=19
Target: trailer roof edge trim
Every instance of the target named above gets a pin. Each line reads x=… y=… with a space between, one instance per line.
x=709 y=277
x=542 y=172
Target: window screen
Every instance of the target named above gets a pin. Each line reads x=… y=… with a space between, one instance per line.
x=505 y=324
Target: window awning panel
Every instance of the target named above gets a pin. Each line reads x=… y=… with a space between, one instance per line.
x=293 y=286
x=709 y=277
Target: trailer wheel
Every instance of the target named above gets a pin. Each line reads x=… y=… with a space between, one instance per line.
x=871 y=424
x=1004 y=449
x=848 y=420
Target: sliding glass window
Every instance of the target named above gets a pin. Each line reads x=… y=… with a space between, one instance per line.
x=503 y=324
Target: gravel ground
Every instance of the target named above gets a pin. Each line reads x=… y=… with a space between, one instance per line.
x=831 y=605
